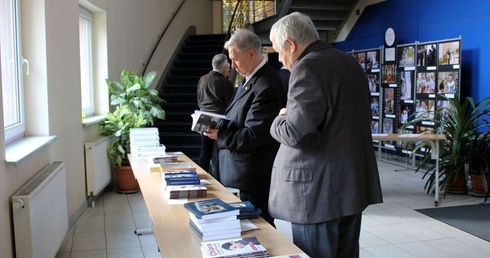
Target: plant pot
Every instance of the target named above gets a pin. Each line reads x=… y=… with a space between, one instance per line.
x=477 y=188
x=458 y=185
x=125 y=180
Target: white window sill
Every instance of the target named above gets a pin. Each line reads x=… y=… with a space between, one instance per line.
x=18 y=151
x=93 y=120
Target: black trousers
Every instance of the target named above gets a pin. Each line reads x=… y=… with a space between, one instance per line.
x=334 y=238
x=260 y=200
x=207 y=145
x=208 y=158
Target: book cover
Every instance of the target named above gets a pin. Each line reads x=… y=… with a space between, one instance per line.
x=211 y=209
x=201 y=121
x=234 y=247
x=243 y=206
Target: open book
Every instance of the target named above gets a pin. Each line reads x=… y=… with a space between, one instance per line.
x=201 y=121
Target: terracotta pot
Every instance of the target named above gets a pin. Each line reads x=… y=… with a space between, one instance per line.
x=125 y=180
x=458 y=185
x=477 y=184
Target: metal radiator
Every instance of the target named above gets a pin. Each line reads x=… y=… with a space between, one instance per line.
x=40 y=214
x=97 y=167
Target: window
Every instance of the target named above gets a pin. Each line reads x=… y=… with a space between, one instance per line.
x=86 y=64
x=11 y=69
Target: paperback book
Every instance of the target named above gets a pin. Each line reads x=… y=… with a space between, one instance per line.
x=185 y=191
x=216 y=224
x=247 y=210
x=217 y=234
x=211 y=209
x=202 y=121
x=234 y=247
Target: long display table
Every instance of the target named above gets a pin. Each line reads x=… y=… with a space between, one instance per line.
x=170 y=222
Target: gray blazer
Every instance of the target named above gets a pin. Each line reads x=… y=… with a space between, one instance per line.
x=326 y=166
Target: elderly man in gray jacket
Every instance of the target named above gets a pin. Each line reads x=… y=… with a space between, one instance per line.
x=325 y=173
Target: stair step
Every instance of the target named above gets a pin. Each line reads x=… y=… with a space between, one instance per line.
x=202 y=49
x=191 y=138
x=183 y=88
x=193 y=64
x=178 y=116
x=183 y=80
x=180 y=107
x=180 y=97
x=189 y=150
x=190 y=71
x=196 y=56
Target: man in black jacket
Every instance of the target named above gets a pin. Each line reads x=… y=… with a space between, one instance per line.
x=214 y=92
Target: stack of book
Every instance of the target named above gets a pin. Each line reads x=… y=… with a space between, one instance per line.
x=155 y=162
x=237 y=247
x=145 y=142
x=247 y=210
x=180 y=177
x=183 y=184
x=213 y=219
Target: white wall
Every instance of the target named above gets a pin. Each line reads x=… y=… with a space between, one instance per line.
x=54 y=83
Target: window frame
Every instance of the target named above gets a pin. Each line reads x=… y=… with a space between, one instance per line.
x=86 y=62
x=13 y=94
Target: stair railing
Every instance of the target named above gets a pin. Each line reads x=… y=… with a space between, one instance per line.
x=160 y=38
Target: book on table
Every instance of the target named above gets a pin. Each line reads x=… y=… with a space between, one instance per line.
x=211 y=209
x=185 y=191
x=247 y=210
x=215 y=234
x=230 y=222
x=234 y=247
x=202 y=121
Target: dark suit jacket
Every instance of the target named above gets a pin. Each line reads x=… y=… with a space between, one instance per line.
x=326 y=166
x=247 y=149
x=214 y=92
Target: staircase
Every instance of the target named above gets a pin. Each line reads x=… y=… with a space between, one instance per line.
x=179 y=91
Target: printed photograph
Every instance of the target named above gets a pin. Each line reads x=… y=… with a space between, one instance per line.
x=449 y=53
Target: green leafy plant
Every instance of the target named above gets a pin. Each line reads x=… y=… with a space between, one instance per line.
x=465 y=126
x=137 y=105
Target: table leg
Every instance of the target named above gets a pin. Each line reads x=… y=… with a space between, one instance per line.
x=144 y=231
x=435 y=155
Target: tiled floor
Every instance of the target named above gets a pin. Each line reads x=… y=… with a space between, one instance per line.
x=391 y=229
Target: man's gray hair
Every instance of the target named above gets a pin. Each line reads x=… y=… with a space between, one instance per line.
x=219 y=61
x=243 y=40
x=296 y=26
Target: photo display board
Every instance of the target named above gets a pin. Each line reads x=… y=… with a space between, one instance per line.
x=410 y=83
x=369 y=60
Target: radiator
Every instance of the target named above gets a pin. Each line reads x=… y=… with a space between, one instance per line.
x=97 y=167
x=40 y=214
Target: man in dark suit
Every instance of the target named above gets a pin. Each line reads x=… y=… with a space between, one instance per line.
x=214 y=92
x=325 y=172
x=246 y=148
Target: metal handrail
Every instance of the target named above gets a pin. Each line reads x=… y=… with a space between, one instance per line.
x=160 y=38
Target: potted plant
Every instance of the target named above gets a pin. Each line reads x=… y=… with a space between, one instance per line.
x=137 y=105
x=462 y=123
x=478 y=155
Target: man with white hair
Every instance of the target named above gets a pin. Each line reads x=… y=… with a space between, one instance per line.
x=325 y=172
x=246 y=148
